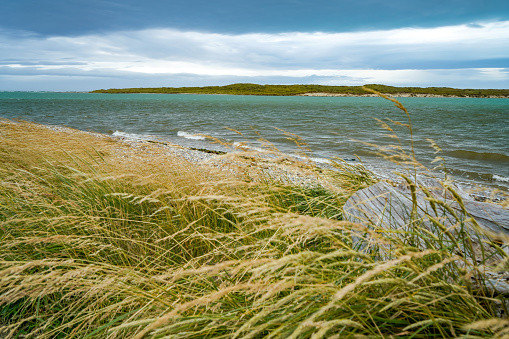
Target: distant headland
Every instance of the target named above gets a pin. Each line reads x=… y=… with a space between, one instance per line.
x=319 y=90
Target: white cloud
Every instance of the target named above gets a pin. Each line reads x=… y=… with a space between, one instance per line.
x=376 y=56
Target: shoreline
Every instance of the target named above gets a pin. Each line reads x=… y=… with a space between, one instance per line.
x=400 y=95
x=322 y=94
x=282 y=167
x=257 y=165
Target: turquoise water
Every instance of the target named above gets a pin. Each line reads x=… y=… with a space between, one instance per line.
x=473 y=133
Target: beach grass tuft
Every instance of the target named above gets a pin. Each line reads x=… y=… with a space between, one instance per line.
x=101 y=239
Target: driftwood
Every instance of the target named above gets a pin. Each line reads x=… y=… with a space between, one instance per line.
x=389 y=208
x=392 y=211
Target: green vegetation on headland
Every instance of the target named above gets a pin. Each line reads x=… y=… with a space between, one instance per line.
x=292 y=90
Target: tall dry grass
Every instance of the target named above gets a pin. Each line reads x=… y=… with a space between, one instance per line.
x=101 y=241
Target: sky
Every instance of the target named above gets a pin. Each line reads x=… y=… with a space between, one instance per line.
x=82 y=45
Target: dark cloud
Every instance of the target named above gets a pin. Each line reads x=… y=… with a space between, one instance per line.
x=76 y=17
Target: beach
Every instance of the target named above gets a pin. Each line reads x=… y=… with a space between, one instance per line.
x=257 y=165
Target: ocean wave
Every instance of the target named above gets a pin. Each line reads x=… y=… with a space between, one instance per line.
x=190 y=136
x=482 y=156
x=320 y=160
x=245 y=146
x=131 y=136
x=495 y=180
x=316 y=160
x=500 y=178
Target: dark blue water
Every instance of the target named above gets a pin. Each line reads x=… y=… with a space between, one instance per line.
x=472 y=133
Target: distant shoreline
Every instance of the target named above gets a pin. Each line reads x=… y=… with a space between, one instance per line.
x=401 y=95
x=324 y=94
x=319 y=91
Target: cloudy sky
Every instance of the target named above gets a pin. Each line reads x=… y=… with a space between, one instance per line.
x=80 y=45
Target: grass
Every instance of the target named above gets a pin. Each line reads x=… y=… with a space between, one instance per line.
x=99 y=240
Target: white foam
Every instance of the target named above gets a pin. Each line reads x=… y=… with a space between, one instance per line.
x=316 y=160
x=500 y=178
x=247 y=147
x=321 y=160
x=131 y=136
x=190 y=136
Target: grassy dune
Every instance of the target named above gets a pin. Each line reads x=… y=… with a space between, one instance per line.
x=103 y=240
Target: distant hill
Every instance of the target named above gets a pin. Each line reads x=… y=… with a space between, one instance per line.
x=318 y=90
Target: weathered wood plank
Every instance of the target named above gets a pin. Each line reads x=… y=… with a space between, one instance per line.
x=391 y=208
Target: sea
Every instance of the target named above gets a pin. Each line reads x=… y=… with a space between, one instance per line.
x=472 y=134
